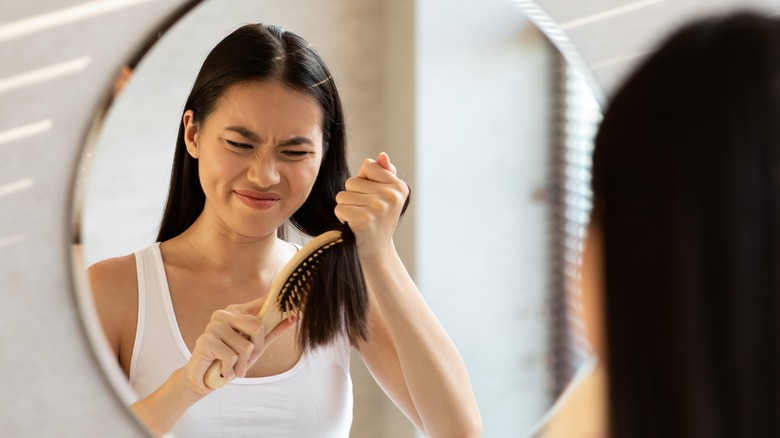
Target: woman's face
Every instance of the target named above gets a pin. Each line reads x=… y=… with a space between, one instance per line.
x=258 y=155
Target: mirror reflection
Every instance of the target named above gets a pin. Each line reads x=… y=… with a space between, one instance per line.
x=486 y=164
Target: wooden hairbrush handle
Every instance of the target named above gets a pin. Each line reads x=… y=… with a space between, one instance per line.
x=270 y=313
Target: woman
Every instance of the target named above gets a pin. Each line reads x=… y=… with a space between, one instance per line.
x=681 y=262
x=262 y=142
x=686 y=182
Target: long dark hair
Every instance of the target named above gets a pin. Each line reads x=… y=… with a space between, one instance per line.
x=258 y=52
x=686 y=182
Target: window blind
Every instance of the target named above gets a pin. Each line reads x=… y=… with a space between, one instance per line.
x=577 y=115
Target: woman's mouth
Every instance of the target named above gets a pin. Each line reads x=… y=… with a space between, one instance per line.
x=257 y=200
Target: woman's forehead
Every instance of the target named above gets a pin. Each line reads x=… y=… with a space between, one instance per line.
x=269 y=106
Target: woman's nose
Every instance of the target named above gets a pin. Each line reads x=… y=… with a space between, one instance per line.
x=263 y=171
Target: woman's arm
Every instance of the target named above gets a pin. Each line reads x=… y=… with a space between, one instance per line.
x=114 y=287
x=426 y=366
x=408 y=352
x=234 y=336
x=162 y=409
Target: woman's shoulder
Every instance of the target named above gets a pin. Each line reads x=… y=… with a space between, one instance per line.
x=580 y=412
x=114 y=284
x=113 y=274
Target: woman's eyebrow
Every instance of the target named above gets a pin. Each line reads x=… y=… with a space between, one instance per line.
x=251 y=136
x=297 y=140
x=244 y=132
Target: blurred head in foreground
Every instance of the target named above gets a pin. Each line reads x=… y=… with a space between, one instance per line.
x=681 y=270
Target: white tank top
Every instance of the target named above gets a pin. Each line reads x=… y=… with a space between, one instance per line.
x=312 y=399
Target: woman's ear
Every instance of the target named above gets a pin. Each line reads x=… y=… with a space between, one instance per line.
x=191 y=133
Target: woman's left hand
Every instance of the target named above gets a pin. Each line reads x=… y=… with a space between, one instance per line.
x=372 y=205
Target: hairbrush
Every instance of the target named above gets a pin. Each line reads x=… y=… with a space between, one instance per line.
x=288 y=294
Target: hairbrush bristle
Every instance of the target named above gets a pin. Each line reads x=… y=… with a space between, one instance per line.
x=292 y=297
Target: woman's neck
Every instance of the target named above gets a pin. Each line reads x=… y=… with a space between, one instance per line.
x=227 y=257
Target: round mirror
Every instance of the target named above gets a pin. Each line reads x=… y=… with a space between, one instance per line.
x=483 y=117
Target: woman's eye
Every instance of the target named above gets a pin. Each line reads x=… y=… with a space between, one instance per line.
x=295 y=154
x=238 y=145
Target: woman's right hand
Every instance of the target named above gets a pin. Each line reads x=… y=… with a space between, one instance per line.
x=235 y=337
